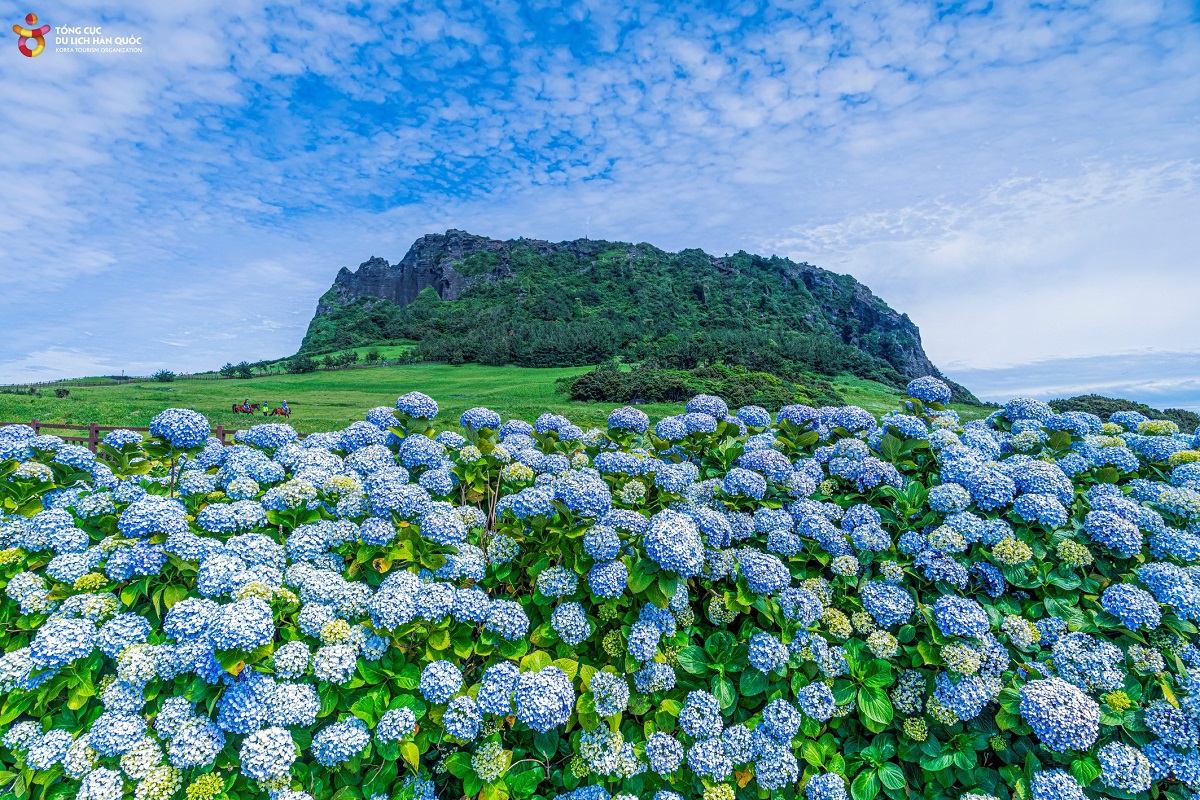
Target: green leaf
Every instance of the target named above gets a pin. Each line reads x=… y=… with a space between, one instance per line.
x=546 y=743
x=173 y=594
x=874 y=703
x=409 y=677
x=753 y=683
x=641 y=575
x=865 y=785
x=722 y=689
x=411 y=755
x=568 y=666
x=459 y=765
x=668 y=584
x=890 y=446
x=807 y=438
x=877 y=674
x=536 y=661
x=523 y=784
x=891 y=776
x=1060 y=440
x=693 y=660
x=812 y=753
x=1085 y=770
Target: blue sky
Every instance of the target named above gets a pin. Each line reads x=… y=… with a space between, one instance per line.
x=1020 y=179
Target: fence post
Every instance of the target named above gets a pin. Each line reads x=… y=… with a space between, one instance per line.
x=93 y=436
x=221 y=434
x=37 y=426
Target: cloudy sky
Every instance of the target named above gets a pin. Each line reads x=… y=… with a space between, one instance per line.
x=1021 y=179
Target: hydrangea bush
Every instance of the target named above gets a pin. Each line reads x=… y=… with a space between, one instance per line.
x=812 y=603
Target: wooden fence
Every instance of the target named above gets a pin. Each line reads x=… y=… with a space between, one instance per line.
x=92 y=434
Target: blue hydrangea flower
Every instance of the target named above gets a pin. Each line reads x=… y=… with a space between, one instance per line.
x=417 y=405
x=338 y=743
x=816 y=700
x=395 y=724
x=440 y=680
x=929 y=389
x=608 y=579
x=664 y=752
x=543 y=700
x=60 y=641
x=740 y=482
x=610 y=694
x=601 y=543
x=628 y=418
x=585 y=493
x=888 y=605
x=196 y=743
x=462 y=719
x=243 y=625
x=826 y=786
x=267 y=754
x=1135 y=607
x=1055 y=784
x=113 y=733
x=496 y=688
x=570 y=623
x=1124 y=768
x=764 y=573
x=1119 y=535
x=800 y=605
x=707 y=758
x=180 y=428
x=507 y=618
x=1062 y=717
x=479 y=418
x=557 y=581
x=958 y=616
x=767 y=653
x=673 y=542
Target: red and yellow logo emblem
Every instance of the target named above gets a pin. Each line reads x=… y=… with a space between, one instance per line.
x=31 y=41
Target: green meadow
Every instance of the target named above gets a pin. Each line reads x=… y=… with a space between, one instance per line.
x=326 y=400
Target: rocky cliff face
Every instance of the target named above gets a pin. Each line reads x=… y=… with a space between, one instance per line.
x=451 y=263
x=429 y=263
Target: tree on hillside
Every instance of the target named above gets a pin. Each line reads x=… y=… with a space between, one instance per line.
x=301 y=363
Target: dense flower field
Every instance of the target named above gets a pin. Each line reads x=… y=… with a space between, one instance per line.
x=812 y=603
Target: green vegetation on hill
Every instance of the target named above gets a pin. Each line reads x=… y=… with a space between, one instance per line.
x=581 y=303
x=737 y=385
x=1103 y=406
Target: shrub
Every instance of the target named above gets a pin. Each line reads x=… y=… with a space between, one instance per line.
x=814 y=603
x=652 y=384
x=1106 y=406
x=164 y=376
x=301 y=363
x=60 y=393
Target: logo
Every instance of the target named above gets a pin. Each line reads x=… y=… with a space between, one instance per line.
x=31 y=41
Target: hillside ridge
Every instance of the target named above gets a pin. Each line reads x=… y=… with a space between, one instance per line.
x=627 y=294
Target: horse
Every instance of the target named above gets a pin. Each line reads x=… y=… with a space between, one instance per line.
x=241 y=408
x=281 y=411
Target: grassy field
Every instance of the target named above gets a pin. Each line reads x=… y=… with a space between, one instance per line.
x=328 y=400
